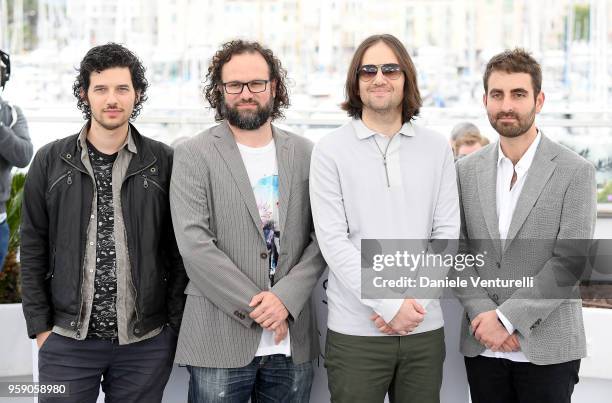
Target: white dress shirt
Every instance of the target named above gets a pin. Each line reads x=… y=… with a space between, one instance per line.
x=507 y=197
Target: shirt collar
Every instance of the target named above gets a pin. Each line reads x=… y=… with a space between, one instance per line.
x=129 y=141
x=364 y=132
x=525 y=162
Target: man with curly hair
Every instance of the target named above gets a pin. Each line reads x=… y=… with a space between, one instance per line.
x=102 y=279
x=241 y=213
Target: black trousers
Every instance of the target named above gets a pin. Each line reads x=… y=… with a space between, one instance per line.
x=135 y=373
x=497 y=380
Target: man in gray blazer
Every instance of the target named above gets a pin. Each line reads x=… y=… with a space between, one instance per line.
x=520 y=198
x=241 y=210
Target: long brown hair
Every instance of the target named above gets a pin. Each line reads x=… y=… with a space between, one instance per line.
x=412 y=98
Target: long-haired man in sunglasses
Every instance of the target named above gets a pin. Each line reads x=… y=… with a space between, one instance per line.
x=381 y=176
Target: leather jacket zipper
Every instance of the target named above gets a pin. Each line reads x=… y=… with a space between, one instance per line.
x=127 y=238
x=58 y=180
x=50 y=274
x=147 y=179
x=81 y=277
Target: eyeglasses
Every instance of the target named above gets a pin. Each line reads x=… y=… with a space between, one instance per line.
x=367 y=72
x=236 y=87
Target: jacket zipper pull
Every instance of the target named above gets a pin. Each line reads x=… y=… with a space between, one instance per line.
x=145 y=183
x=69 y=180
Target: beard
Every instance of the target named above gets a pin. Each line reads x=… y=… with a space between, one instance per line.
x=381 y=107
x=107 y=125
x=247 y=120
x=521 y=126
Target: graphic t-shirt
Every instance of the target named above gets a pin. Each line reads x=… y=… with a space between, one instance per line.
x=262 y=169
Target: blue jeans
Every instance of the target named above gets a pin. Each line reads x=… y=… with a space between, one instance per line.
x=4 y=241
x=271 y=378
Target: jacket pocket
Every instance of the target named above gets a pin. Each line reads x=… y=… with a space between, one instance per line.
x=67 y=176
x=151 y=181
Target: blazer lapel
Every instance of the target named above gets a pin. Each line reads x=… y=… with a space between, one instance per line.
x=487 y=185
x=539 y=172
x=284 y=157
x=227 y=148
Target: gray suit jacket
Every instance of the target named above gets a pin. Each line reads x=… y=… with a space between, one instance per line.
x=558 y=201
x=220 y=236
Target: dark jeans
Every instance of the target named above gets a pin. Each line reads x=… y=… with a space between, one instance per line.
x=4 y=241
x=503 y=381
x=271 y=378
x=134 y=373
x=363 y=369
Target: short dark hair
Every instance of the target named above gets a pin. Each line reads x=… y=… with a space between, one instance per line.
x=213 y=90
x=104 y=57
x=412 y=97
x=515 y=61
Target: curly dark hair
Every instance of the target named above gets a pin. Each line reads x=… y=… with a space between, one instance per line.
x=104 y=57
x=213 y=91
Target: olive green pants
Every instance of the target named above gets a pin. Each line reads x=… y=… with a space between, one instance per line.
x=366 y=368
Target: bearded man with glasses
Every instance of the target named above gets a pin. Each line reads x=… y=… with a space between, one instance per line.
x=240 y=207
x=381 y=176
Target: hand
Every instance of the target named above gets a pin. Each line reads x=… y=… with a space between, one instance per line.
x=270 y=311
x=511 y=344
x=42 y=337
x=410 y=315
x=489 y=331
x=281 y=332
x=381 y=324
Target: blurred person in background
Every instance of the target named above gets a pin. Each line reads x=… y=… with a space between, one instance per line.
x=15 y=150
x=460 y=129
x=466 y=138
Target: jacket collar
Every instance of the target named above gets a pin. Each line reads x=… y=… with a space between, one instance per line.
x=227 y=148
x=540 y=171
x=142 y=157
x=363 y=132
x=129 y=141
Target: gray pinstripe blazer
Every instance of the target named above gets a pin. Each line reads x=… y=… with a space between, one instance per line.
x=219 y=234
x=558 y=201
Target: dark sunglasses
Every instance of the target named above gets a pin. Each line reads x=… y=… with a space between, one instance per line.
x=367 y=72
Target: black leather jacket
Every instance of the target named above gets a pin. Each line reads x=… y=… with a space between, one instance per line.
x=57 y=203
